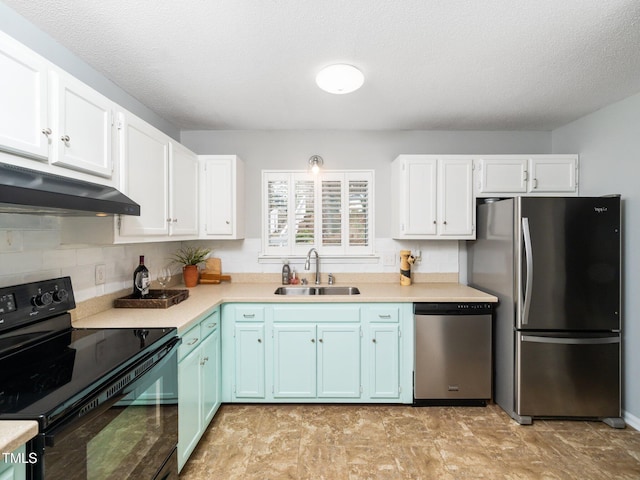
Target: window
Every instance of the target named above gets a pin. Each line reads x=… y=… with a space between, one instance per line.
x=332 y=212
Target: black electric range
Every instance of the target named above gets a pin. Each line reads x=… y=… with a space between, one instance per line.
x=46 y=366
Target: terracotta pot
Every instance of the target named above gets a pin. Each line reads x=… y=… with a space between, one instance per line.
x=190 y=274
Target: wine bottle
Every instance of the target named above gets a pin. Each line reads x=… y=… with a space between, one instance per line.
x=141 y=280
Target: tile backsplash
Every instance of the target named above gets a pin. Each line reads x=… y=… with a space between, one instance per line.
x=31 y=249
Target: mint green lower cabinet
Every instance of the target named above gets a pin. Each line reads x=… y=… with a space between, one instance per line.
x=13 y=471
x=339 y=361
x=383 y=350
x=189 y=409
x=199 y=378
x=318 y=352
x=210 y=363
x=294 y=361
x=249 y=360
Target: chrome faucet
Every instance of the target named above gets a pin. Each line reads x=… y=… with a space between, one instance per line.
x=307 y=264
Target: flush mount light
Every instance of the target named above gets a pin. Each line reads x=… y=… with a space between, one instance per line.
x=340 y=78
x=315 y=162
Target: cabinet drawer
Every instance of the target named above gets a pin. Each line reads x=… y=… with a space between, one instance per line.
x=190 y=341
x=210 y=324
x=249 y=314
x=389 y=314
x=316 y=313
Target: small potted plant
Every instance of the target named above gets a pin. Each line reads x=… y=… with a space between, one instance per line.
x=189 y=258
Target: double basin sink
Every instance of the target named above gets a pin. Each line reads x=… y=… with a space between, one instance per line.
x=317 y=291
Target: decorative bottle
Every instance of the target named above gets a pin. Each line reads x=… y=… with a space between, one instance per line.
x=141 y=280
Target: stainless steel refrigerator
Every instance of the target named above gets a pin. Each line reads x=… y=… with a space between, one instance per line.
x=554 y=263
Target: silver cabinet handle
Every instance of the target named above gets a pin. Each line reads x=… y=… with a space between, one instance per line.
x=204 y=360
x=526 y=175
x=193 y=342
x=65 y=138
x=259 y=340
x=526 y=234
x=248 y=315
x=212 y=325
x=46 y=131
x=535 y=183
x=380 y=315
x=227 y=222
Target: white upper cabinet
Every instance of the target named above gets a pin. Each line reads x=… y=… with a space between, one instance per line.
x=510 y=175
x=82 y=124
x=144 y=157
x=23 y=96
x=183 y=191
x=432 y=197
x=50 y=116
x=221 y=197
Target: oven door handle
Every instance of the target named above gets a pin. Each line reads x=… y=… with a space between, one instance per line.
x=112 y=393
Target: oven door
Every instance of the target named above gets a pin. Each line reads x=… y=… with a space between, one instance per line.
x=129 y=429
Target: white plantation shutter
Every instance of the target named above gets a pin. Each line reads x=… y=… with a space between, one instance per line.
x=359 y=212
x=332 y=212
x=304 y=211
x=276 y=203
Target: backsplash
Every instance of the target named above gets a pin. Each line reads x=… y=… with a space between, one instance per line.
x=31 y=249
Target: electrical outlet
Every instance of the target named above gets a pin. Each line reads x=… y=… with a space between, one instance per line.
x=101 y=274
x=388 y=259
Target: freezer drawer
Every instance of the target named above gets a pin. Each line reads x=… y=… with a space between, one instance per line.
x=562 y=376
x=452 y=357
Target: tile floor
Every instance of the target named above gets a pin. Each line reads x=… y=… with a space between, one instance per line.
x=344 y=442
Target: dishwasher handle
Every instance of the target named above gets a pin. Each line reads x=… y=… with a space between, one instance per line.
x=450 y=308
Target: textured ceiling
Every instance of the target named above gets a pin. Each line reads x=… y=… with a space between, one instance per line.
x=428 y=64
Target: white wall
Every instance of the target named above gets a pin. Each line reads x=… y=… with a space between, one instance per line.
x=30 y=250
x=608 y=142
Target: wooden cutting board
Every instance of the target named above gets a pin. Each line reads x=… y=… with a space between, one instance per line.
x=212 y=272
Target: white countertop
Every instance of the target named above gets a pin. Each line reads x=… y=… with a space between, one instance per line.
x=14 y=433
x=204 y=298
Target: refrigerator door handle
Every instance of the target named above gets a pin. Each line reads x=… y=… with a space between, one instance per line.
x=571 y=341
x=526 y=234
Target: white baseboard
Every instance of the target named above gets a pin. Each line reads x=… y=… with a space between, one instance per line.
x=631 y=420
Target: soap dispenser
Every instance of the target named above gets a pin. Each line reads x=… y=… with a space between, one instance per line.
x=286 y=272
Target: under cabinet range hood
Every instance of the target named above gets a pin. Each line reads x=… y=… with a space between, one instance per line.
x=23 y=190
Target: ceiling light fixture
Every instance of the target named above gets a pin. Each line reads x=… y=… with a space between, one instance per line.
x=315 y=162
x=340 y=79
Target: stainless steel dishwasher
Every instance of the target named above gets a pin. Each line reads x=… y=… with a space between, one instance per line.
x=453 y=353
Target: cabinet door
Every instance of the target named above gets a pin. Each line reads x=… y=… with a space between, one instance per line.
x=23 y=96
x=183 y=193
x=418 y=215
x=144 y=153
x=189 y=410
x=339 y=361
x=249 y=361
x=504 y=175
x=553 y=174
x=210 y=371
x=294 y=361
x=222 y=197
x=384 y=361
x=455 y=194
x=82 y=126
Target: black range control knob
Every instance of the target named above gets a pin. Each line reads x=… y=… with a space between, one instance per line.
x=60 y=295
x=42 y=300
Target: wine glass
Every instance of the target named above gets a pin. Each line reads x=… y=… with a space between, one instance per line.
x=164 y=277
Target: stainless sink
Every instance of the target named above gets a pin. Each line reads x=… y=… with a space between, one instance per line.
x=317 y=291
